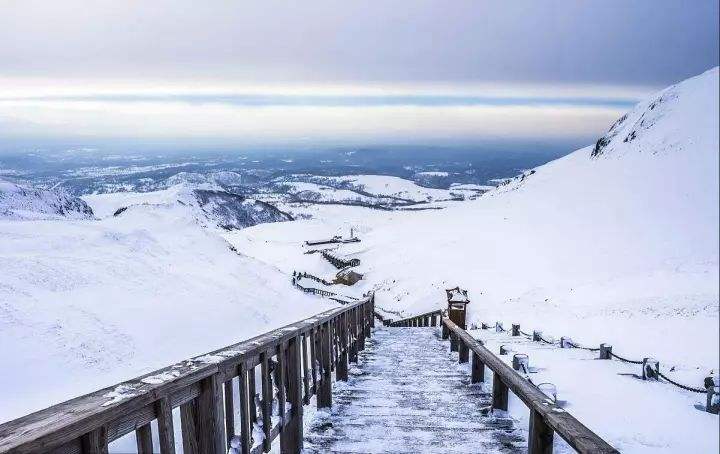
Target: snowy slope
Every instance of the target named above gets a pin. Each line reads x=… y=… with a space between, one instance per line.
x=91 y=303
x=619 y=247
x=24 y=202
x=208 y=204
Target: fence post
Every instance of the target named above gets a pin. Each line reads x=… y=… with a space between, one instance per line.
x=500 y=394
x=521 y=362
x=541 y=435
x=245 y=417
x=536 y=336
x=650 y=369
x=712 y=384
x=291 y=436
x=499 y=327
x=565 y=342
x=515 y=330
x=478 y=369
x=463 y=352
x=504 y=350
x=605 y=351
x=453 y=342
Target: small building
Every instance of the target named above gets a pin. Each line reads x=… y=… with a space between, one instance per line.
x=347 y=276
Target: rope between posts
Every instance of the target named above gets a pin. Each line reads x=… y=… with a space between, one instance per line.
x=624 y=359
x=685 y=387
x=583 y=348
x=573 y=345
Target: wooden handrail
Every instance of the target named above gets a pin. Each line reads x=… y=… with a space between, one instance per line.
x=200 y=385
x=427 y=319
x=546 y=417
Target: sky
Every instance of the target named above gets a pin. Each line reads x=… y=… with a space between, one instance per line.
x=394 y=70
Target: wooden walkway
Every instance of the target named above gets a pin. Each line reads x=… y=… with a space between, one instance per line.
x=408 y=395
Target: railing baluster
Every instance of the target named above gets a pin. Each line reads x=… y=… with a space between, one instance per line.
x=291 y=438
x=229 y=411
x=187 y=423
x=143 y=437
x=324 y=399
x=463 y=352
x=166 y=433
x=252 y=389
x=267 y=399
x=246 y=420
x=305 y=370
x=314 y=352
x=95 y=442
x=281 y=381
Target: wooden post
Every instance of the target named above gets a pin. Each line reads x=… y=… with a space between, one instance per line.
x=245 y=418
x=499 y=327
x=229 y=411
x=281 y=380
x=445 y=330
x=188 y=411
x=291 y=437
x=361 y=328
x=341 y=371
x=521 y=363
x=566 y=342
x=500 y=394
x=536 y=336
x=453 y=342
x=650 y=369
x=515 y=330
x=210 y=427
x=504 y=350
x=463 y=352
x=95 y=442
x=483 y=326
x=605 y=351
x=324 y=398
x=267 y=399
x=252 y=388
x=143 y=437
x=166 y=434
x=541 y=435
x=433 y=320
x=353 y=356
x=368 y=320
x=478 y=369
x=306 y=370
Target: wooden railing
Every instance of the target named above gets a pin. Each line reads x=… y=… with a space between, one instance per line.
x=431 y=318
x=295 y=362
x=546 y=417
x=339 y=263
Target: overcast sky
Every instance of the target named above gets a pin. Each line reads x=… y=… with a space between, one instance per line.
x=265 y=69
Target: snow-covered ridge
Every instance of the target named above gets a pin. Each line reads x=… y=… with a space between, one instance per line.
x=21 y=202
x=207 y=204
x=679 y=118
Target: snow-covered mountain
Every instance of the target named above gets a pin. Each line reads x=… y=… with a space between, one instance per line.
x=207 y=204
x=24 y=202
x=616 y=242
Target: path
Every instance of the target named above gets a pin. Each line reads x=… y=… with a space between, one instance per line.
x=409 y=395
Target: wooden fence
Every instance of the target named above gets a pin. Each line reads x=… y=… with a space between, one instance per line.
x=296 y=361
x=546 y=418
x=339 y=263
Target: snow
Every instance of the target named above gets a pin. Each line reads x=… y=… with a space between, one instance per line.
x=21 y=202
x=619 y=248
x=91 y=303
x=389 y=186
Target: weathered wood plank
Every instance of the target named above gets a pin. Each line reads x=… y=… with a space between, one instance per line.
x=166 y=433
x=143 y=436
x=95 y=442
x=267 y=399
x=291 y=437
x=245 y=417
x=229 y=411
